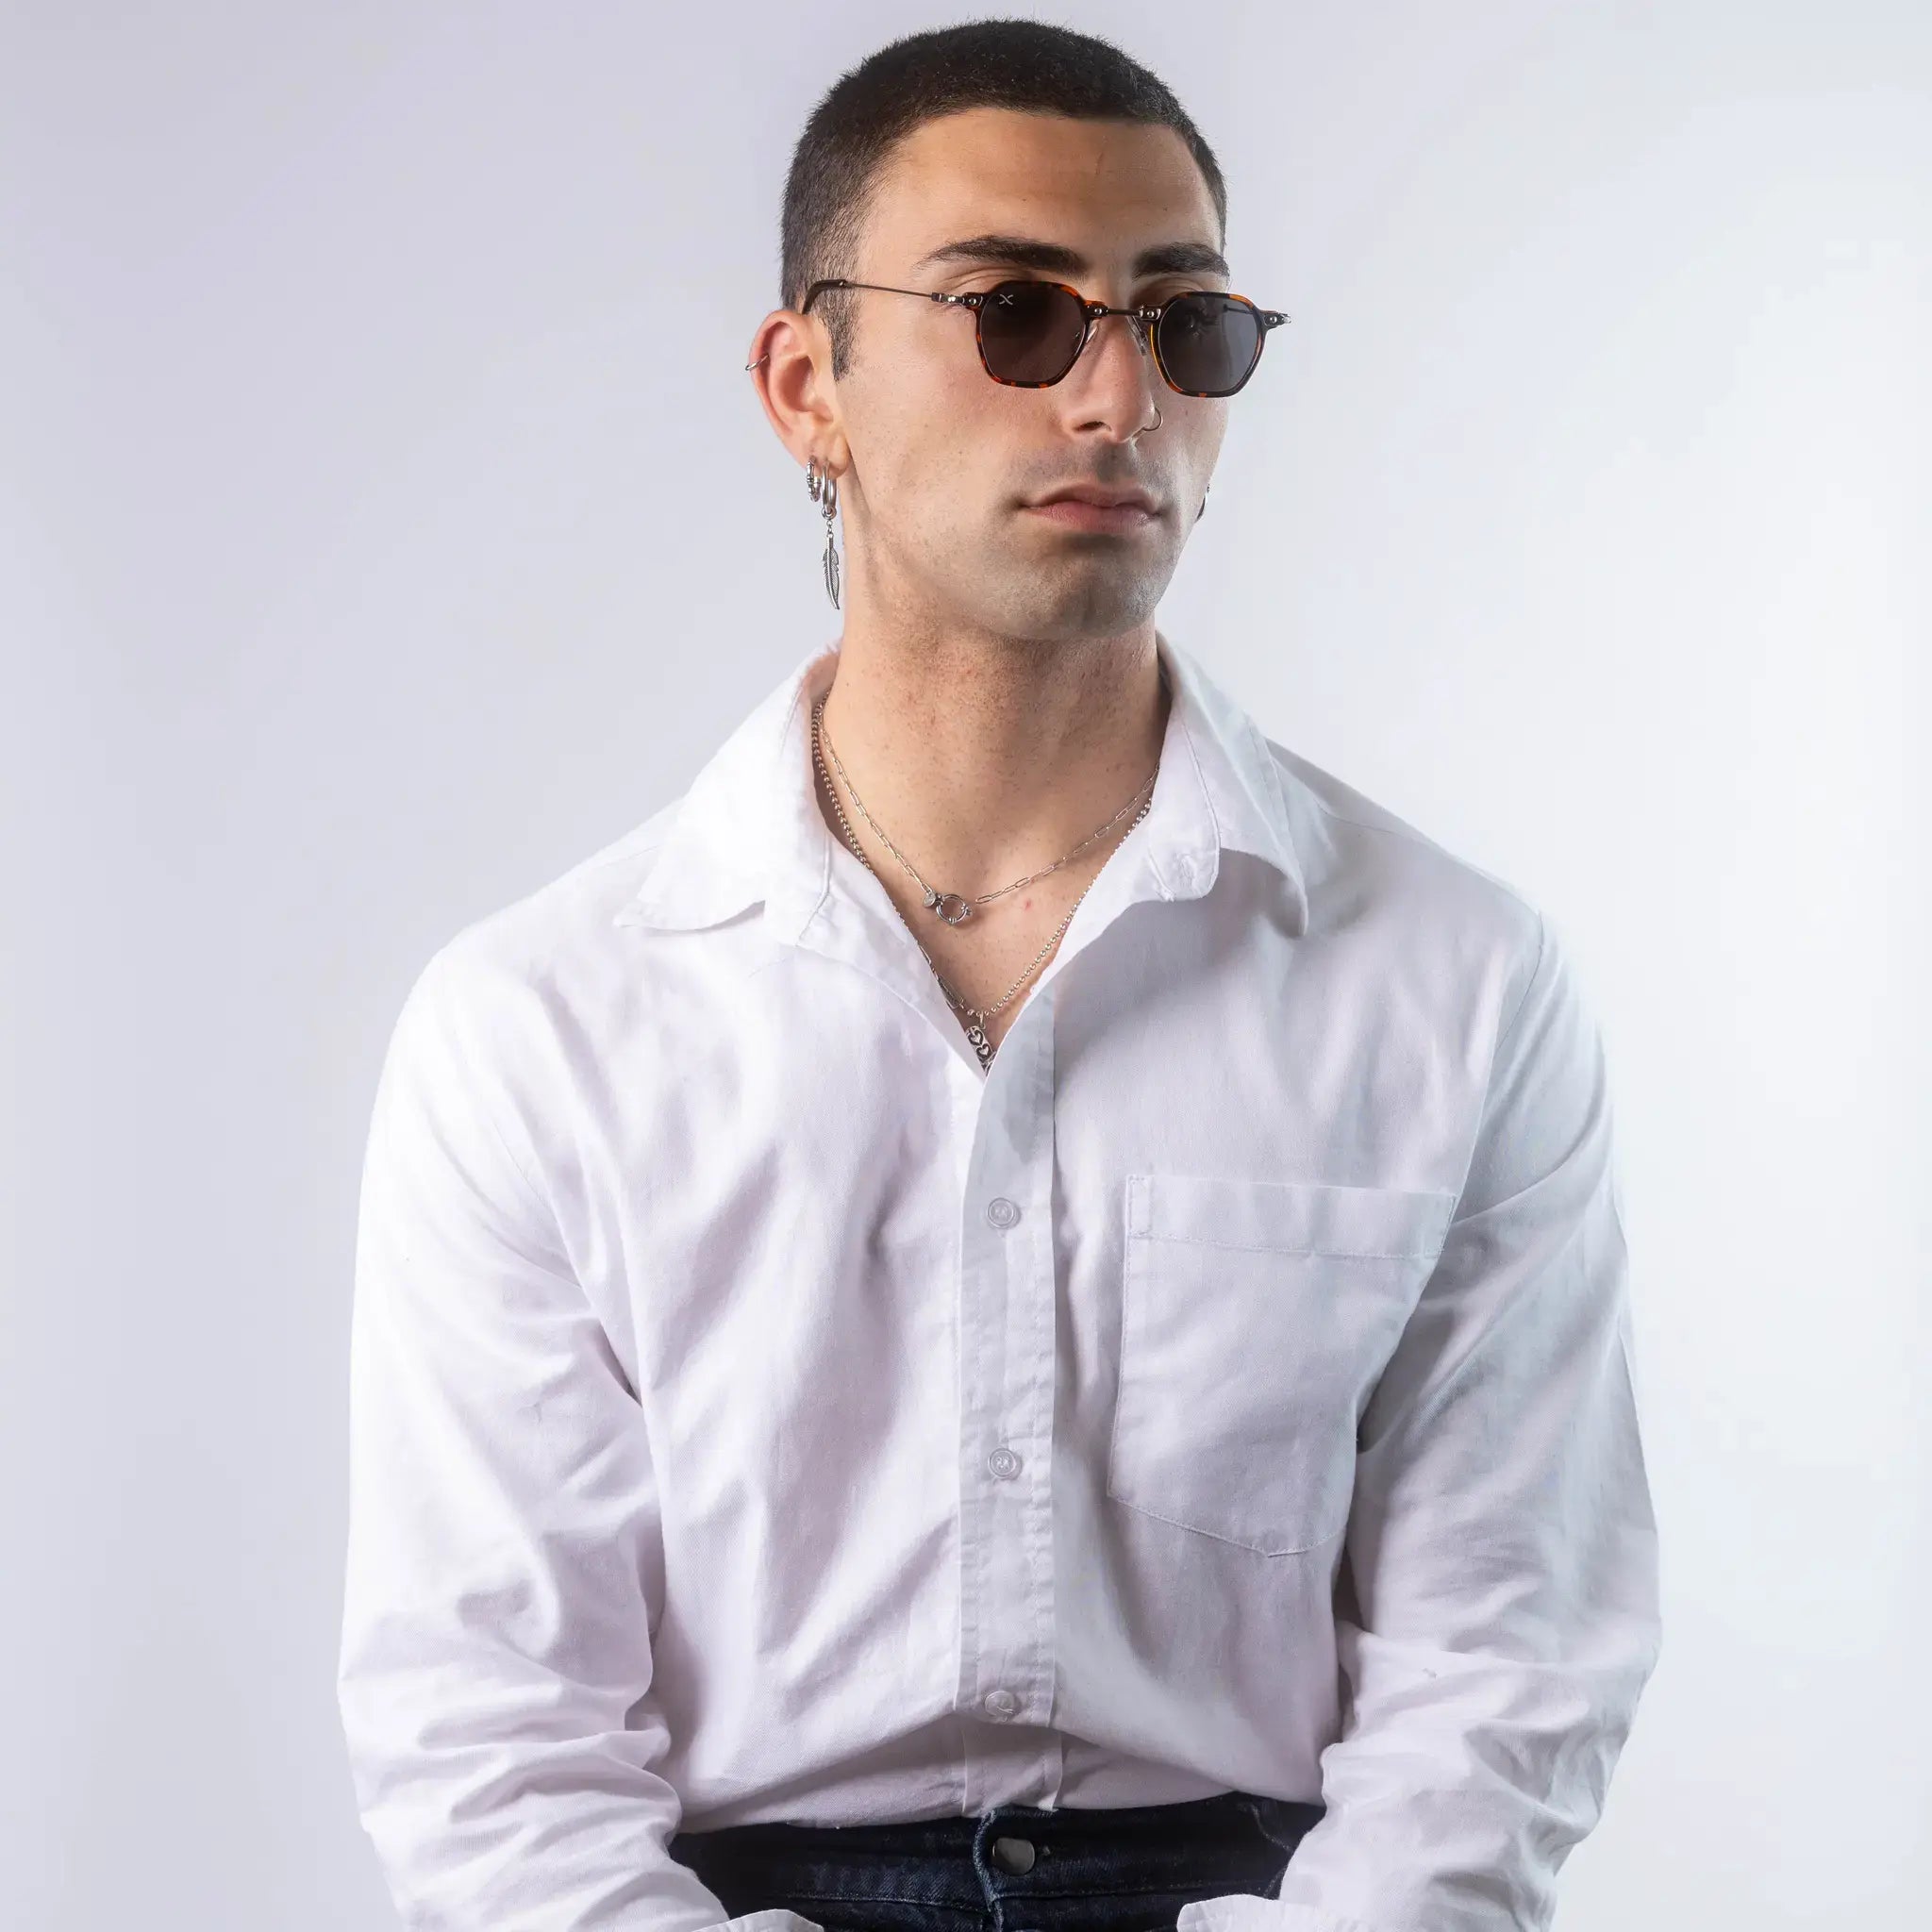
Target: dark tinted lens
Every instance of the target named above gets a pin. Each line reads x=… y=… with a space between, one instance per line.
x=1208 y=342
x=1030 y=331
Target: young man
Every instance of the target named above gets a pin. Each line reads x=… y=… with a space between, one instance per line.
x=1011 y=1317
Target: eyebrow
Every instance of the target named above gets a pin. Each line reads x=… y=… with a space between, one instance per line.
x=1021 y=251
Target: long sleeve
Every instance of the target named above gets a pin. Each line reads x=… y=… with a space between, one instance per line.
x=504 y=1555
x=1501 y=1546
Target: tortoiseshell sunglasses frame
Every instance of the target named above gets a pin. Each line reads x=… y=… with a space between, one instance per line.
x=1146 y=320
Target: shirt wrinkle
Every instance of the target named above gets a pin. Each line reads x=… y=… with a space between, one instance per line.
x=761 y=1411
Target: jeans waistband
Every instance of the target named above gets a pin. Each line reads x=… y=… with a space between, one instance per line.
x=1231 y=1841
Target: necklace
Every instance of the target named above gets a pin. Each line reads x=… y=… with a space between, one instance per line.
x=937 y=901
x=974 y=1017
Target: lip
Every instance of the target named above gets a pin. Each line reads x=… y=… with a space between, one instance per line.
x=1077 y=513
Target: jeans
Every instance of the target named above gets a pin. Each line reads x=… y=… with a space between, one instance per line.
x=1017 y=1868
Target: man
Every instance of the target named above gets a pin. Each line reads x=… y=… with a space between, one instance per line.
x=1011 y=1316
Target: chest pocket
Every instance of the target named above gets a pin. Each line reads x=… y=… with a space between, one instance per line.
x=1256 y=1317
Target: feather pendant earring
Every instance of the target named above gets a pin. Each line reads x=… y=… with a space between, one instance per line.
x=823 y=488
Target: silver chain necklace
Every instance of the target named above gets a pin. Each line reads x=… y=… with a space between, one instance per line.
x=938 y=901
x=975 y=1017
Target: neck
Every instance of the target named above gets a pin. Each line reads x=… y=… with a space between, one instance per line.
x=987 y=760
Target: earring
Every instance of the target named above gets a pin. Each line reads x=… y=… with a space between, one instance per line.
x=822 y=487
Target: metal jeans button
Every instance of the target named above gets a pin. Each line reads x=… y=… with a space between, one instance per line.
x=1013 y=1854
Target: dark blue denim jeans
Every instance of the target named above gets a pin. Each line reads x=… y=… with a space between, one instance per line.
x=1017 y=1868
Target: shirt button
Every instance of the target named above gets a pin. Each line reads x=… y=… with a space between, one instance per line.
x=1013 y=1854
x=1002 y=1212
x=1001 y=1703
x=1004 y=1464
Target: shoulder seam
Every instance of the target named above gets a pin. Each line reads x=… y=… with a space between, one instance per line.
x=1543 y=935
x=445 y=961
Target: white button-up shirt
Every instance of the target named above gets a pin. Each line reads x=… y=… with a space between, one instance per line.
x=761 y=1411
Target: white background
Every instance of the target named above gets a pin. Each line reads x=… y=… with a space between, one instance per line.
x=387 y=522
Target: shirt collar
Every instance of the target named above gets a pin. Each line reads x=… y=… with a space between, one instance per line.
x=749 y=828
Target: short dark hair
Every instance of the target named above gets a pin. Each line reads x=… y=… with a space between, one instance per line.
x=1026 y=65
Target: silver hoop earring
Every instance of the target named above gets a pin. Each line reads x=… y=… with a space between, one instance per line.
x=822 y=487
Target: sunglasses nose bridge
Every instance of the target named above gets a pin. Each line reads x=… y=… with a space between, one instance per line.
x=1095 y=312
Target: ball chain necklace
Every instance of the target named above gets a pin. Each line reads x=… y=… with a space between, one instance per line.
x=941 y=903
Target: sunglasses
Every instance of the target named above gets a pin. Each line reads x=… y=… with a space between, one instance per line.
x=1205 y=342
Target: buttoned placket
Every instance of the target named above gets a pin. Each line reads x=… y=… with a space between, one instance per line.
x=824 y=899
x=1007 y=1326
x=1008 y=1307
